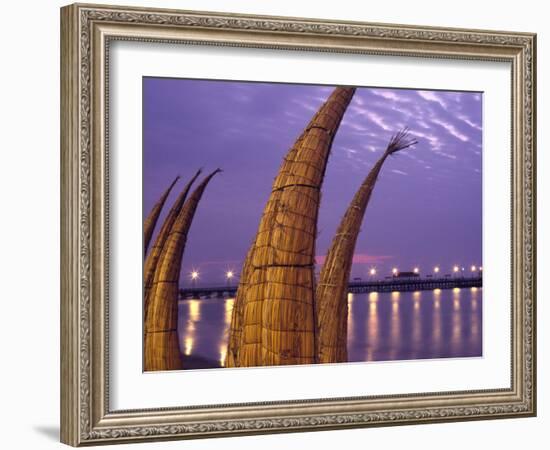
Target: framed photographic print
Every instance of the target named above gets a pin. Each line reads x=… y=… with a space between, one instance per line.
x=275 y=224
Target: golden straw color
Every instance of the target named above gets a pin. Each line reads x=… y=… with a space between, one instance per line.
x=277 y=289
x=152 y=258
x=245 y=334
x=161 y=338
x=151 y=219
x=252 y=339
x=331 y=302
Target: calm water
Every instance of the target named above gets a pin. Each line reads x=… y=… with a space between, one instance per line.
x=381 y=327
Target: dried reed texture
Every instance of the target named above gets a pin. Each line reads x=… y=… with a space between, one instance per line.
x=161 y=338
x=274 y=302
x=154 y=255
x=247 y=308
x=331 y=302
x=251 y=340
x=151 y=219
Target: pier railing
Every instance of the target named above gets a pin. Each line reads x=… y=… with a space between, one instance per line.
x=356 y=287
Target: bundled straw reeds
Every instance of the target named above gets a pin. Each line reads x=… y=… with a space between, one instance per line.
x=331 y=294
x=246 y=326
x=153 y=257
x=151 y=220
x=161 y=340
x=274 y=307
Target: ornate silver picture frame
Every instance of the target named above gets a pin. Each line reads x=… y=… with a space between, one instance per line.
x=87 y=34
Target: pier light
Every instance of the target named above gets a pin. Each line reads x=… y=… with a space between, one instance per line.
x=456 y=269
x=436 y=269
x=372 y=271
x=416 y=270
x=480 y=268
x=473 y=268
x=229 y=276
x=394 y=271
x=194 y=275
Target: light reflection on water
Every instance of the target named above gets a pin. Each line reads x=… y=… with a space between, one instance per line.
x=382 y=326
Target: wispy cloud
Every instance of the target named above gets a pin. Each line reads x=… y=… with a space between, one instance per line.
x=390 y=95
x=399 y=172
x=468 y=121
x=451 y=129
x=378 y=120
x=306 y=105
x=433 y=97
x=433 y=141
x=446 y=155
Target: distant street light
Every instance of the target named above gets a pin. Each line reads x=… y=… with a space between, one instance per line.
x=473 y=268
x=194 y=277
x=436 y=269
x=229 y=275
x=394 y=271
x=372 y=271
x=416 y=270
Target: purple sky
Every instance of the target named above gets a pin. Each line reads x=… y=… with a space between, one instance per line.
x=426 y=208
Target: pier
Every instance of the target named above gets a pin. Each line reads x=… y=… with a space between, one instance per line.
x=355 y=287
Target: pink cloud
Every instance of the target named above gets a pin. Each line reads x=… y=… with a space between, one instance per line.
x=359 y=258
